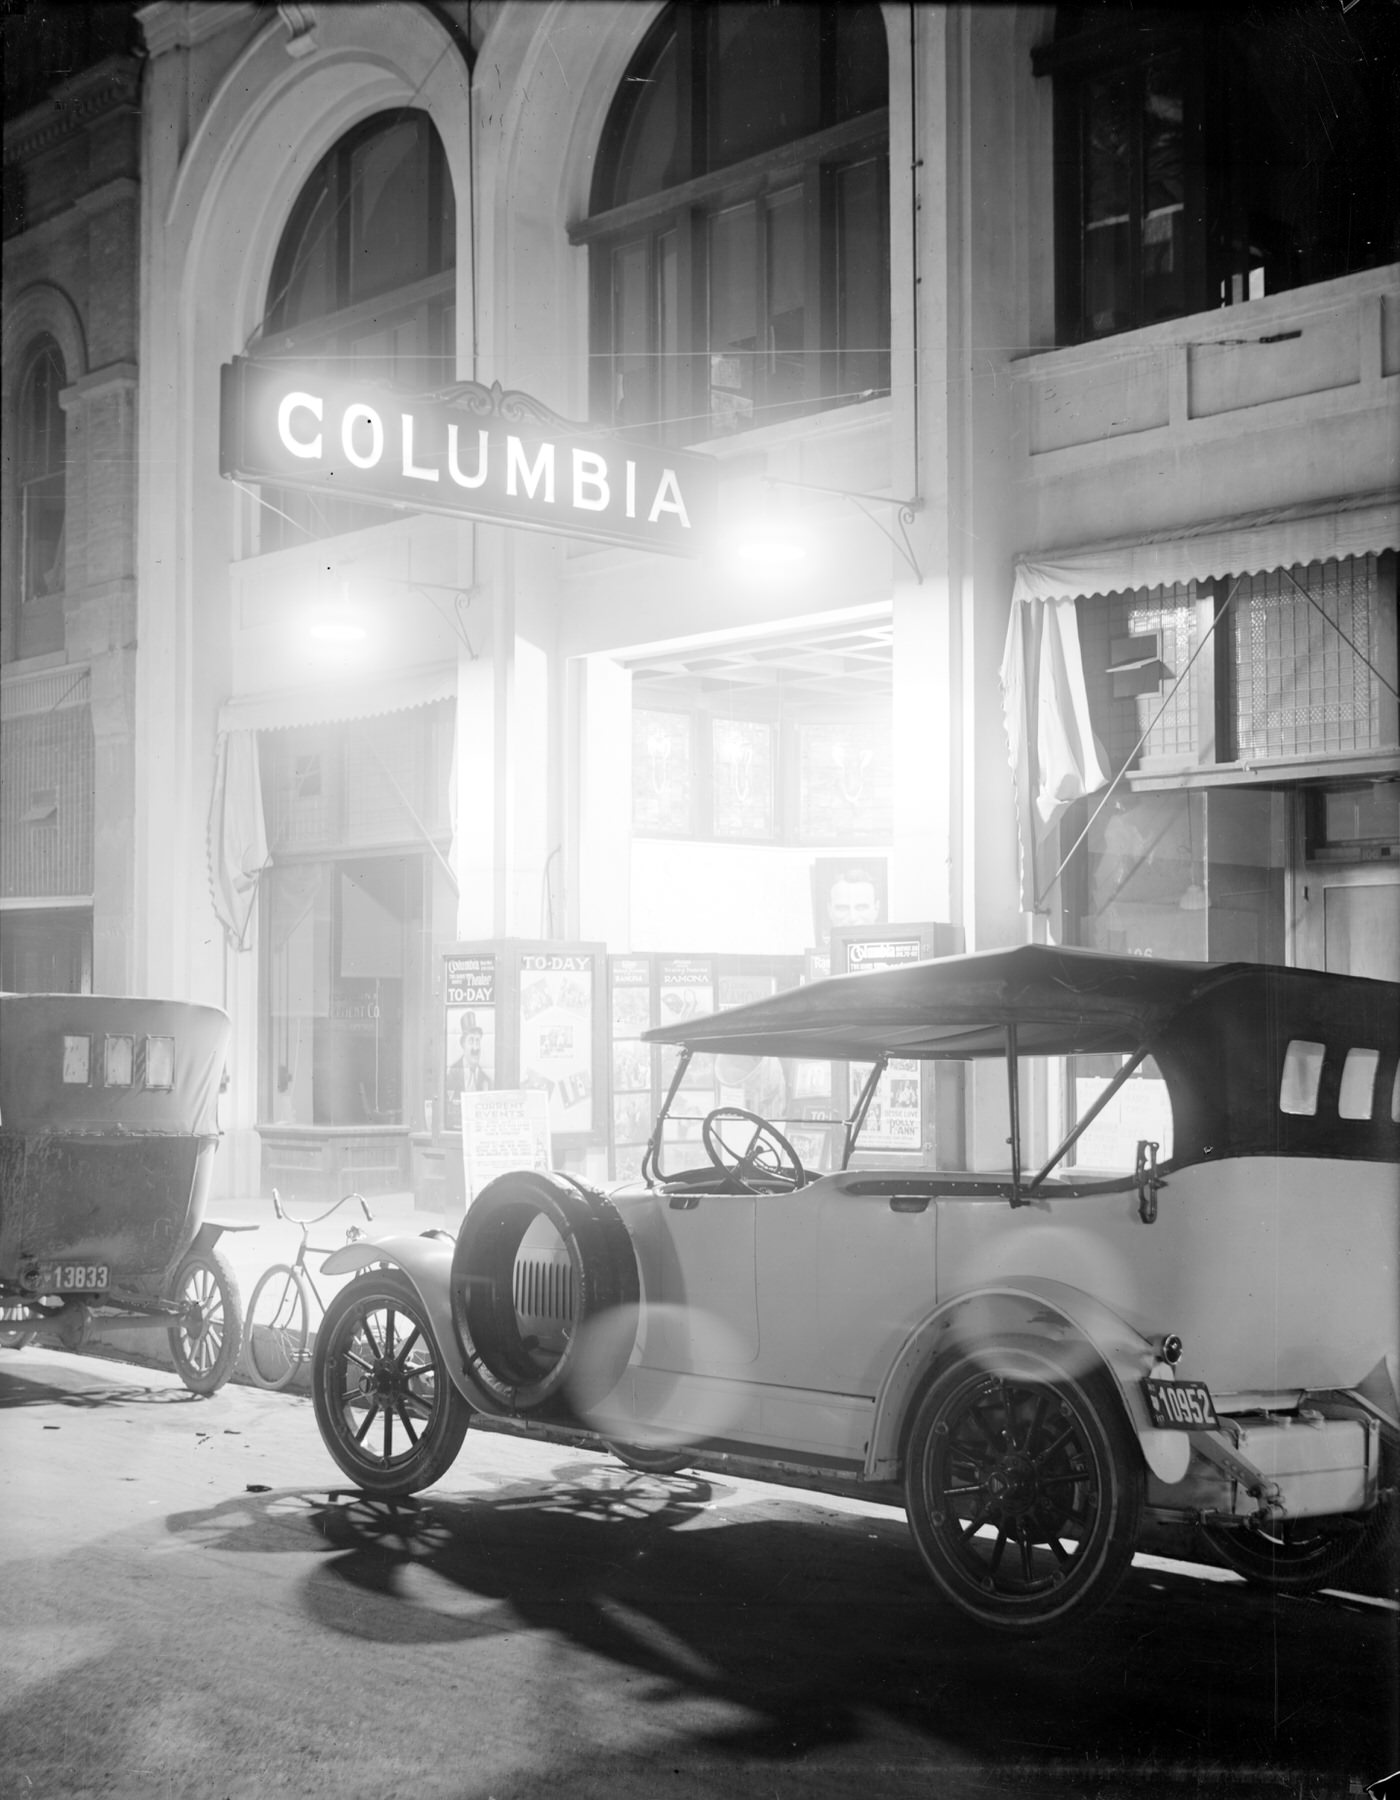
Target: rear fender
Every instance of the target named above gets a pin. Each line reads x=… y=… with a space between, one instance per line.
x=426 y=1259
x=1082 y=1332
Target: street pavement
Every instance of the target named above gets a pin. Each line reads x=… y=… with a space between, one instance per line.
x=197 y=1608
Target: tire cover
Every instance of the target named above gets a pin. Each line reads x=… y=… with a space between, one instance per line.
x=483 y=1298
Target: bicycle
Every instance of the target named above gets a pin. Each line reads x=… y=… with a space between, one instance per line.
x=278 y=1320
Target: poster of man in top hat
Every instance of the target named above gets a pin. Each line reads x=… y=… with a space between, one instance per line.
x=469 y=1071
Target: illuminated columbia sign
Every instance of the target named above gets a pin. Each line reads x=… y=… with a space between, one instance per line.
x=477 y=452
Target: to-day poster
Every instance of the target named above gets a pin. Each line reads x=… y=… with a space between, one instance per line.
x=556 y=1034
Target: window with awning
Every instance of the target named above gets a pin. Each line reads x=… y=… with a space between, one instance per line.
x=1261 y=649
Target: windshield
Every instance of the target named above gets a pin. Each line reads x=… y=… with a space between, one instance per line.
x=929 y=1114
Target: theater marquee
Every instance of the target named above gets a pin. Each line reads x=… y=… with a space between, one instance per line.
x=473 y=451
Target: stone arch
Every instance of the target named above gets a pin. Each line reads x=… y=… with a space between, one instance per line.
x=273 y=117
x=215 y=206
x=42 y=309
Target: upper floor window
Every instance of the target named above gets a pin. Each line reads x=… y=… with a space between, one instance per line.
x=364 y=279
x=42 y=469
x=739 y=223
x=1209 y=156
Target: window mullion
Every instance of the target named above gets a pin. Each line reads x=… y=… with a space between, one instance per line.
x=692 y=327
x=339 y=226
x=820 y=324
x=1137 y=193
x=763 y=319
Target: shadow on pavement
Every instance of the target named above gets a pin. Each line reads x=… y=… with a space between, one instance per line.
x=812 y=1620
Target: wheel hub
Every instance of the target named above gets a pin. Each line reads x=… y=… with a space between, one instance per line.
x=1013 y=1484
x=386 y=1381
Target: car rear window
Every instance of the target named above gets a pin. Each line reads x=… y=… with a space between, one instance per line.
x=1302 y=1073
x=1357 y=1097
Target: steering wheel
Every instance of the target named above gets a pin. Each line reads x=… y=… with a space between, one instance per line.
x=767 y=1156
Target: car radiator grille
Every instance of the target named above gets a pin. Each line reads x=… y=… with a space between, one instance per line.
x=544 y=1291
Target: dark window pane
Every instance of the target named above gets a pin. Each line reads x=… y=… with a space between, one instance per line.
x=1108 y=162
x=733 y=318
x=42 y=427
x=633 y=399
x=765 y=78
x=668 y=334
x=43 y=473
x=1163 y=222
x=646 y=157
x=389 y=210
x=45 y=508
x=862 y=61
x=725 y=307
x=786 y=382
x=303 y=276
x=377 y=213
x=863 y=282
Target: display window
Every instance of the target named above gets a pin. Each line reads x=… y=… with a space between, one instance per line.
x=1197 y=874
x=340 y=934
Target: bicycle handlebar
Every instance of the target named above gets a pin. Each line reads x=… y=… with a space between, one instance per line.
x=316 y=1218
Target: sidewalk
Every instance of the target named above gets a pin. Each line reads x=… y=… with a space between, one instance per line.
x=256 y=1239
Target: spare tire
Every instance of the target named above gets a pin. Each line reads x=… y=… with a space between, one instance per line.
x=496 y=1296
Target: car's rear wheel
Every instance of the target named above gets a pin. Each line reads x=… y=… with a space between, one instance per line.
x=388 y=1411
x=1024 y=1488
x=206 y=1337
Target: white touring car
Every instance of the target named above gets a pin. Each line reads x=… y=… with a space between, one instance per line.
x=1044 y=1364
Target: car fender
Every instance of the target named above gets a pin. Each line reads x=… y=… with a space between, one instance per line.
x=1059 y=1315
x=426 y=1259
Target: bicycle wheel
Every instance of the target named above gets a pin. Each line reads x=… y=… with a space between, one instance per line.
x=278 y=1326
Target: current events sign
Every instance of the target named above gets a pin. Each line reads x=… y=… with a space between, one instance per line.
x=502 y=1132
x=895 y=1120
x=556 y=1034
x=474 y=452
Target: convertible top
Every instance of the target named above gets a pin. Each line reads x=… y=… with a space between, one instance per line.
x=1062 y=1002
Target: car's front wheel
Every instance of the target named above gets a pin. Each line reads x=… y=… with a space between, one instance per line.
x=388 y=1411
x=1024 y=1488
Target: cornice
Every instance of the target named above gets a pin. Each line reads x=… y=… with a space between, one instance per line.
x=116 y=377
x=176 y=25
x=108 y=87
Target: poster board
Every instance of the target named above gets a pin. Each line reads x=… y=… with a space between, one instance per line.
x=917 y=1110
x=469 y=1031
x=531 y=1015
x=656 y=988
x=503 y=1129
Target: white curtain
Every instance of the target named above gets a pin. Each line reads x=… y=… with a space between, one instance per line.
x=238 y=850
x=1054 y=755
